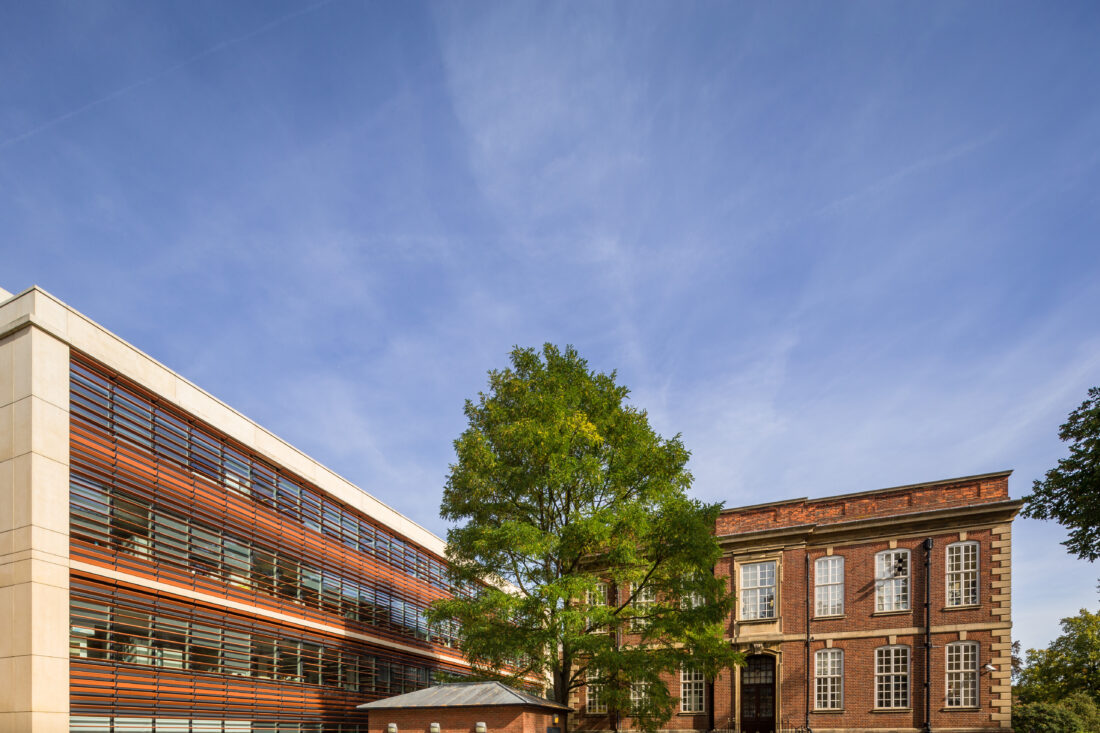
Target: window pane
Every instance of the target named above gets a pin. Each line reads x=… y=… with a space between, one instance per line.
x=962 y=574
x=892 y=580
x=962 y=675
x=829 y=586
x=758 y=590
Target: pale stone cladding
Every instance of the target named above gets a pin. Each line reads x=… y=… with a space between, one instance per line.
x=34 y=521
x=789 y=538
x=39 y=338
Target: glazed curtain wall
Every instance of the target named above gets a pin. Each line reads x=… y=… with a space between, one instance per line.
x=156 y=493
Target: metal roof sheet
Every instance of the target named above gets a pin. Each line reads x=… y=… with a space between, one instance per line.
x=462 y=694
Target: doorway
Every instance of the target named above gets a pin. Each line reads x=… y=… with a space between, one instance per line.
x=758 y=694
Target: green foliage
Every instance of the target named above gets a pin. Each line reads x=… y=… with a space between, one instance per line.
x=1043 y=717
x=560 y=486
x=1070 y=664
x=1070 y=492
x=1085 y=708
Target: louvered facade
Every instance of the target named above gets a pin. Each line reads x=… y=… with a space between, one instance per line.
x=170 y=566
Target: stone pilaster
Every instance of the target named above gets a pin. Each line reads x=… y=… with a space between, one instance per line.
x=1001 y=600
x=34 y=523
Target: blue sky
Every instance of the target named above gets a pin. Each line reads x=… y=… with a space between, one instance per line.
x=837 y=246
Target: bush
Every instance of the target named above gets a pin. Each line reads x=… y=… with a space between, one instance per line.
x=1085 y=708
x=1042 y=717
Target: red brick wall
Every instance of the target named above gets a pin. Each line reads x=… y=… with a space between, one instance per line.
x=510 y=719
x=678 y=721
x=862 y=629
x=859 y=586
x=888 y=503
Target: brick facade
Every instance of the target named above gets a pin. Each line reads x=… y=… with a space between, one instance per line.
x=506 y=719
x=794 y=535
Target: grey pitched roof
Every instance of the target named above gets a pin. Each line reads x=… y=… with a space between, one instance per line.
x=462 y=694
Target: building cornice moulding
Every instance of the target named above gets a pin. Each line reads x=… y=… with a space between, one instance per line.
x=937 y=521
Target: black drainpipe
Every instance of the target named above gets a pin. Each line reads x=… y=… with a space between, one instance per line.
x=709 y=700
x=928 y=635
x=809 y=675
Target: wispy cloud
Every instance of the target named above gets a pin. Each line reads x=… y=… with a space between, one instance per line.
x=837 y=250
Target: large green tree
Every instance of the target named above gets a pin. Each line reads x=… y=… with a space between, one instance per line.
x=1070 y=492
x=570 y=515
x=1070 y=664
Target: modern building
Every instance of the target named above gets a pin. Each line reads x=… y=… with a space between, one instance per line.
x=166 y=564
x=886 y=610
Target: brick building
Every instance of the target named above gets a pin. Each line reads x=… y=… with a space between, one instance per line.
x=466 y=707
x=848 y=605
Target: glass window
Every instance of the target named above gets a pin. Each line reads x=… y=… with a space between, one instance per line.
x=596 y=598
x=892 y=677
x=311 y=510
x=692 y=690
x=311 y=663
x=263 y=656
x=642 y=605
x=758 y=590
x=962 y=674
x=288 y=584
x=595 y=700
x=330 y=667
x=639 y=694
x=236 y=649
x=351 y=530
x=205 y=556
x=330 y=592
x=130 y=526
x=349 y=672
x=962 y=574
x=88 y=633
x=330 y=520
x=829 y=679
x=692 y=598
x=237 y=562
x=263 y=485
x=205 y=652
x=89 y=506
x=170 y=642
x=288 y=497
x=263 y=570
x=829 y=586
x=892 y=580
x=170 y=538
x=287 y=665
x=131 y=637
x=237 y=471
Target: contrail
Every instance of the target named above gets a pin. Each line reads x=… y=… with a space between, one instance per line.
x=163 y=72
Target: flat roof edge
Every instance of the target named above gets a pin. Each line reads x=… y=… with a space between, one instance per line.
x=868 y=492
x=825 y=528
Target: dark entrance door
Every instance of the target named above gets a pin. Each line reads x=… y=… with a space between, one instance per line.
x=758 y=694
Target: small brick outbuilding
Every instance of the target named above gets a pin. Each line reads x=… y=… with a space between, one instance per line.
x=465 y=707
